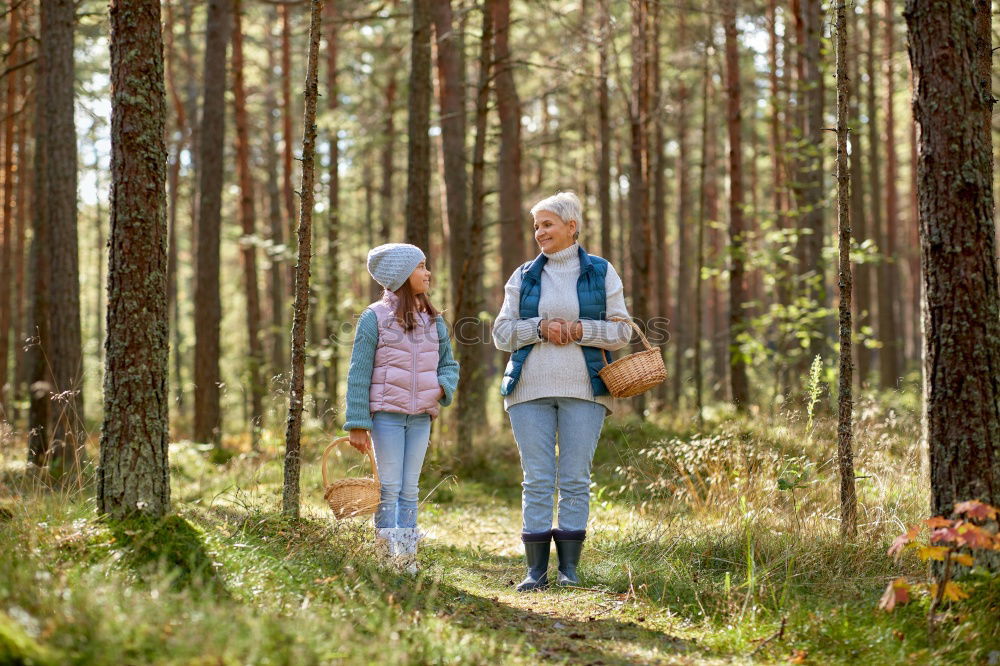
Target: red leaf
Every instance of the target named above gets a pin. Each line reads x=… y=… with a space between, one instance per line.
x=975 y=537
x=946 y=534
x=976 y=509
x=897 y=546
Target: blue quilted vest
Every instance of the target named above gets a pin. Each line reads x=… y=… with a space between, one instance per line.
x=592 y=296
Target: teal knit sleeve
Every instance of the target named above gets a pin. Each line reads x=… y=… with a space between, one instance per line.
x=447 y=369
x=359 y=376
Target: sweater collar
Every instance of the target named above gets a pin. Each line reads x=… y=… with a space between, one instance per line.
x=534 y=269
x=565 y=255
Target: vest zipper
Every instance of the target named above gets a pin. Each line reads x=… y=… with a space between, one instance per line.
x=413 y=373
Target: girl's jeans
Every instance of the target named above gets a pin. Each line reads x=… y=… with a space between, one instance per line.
x=537 y=424
x=400 y=442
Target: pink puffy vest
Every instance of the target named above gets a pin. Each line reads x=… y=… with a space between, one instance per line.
x=404 y=377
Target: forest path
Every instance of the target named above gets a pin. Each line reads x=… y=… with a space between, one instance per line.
x=474 y=552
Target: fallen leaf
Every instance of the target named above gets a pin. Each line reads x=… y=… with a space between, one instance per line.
x=898 y=634
x=577 y=636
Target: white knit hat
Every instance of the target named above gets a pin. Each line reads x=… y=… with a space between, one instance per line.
x=393 y=263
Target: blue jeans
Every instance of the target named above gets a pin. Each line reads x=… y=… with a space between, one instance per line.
x=537 y=424
x=400 y=442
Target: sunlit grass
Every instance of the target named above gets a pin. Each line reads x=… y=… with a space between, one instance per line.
x=695 y=554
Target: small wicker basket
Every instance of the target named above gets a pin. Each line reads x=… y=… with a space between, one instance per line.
x=635 y=373
x=351 y=497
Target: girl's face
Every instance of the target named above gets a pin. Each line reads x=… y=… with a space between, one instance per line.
x=551 y=233
x=420 y=279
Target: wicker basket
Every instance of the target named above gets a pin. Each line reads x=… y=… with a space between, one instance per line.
x=635 y=373
x=351 y=497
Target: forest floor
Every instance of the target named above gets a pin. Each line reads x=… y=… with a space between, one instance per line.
x=695 y=555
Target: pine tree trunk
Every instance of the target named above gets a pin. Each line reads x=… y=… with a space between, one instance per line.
x=173 y=196
x=134 y=473
x=6 y=289
x=862 y=294
x=287 y=137
x=641 y=236
x=276 y=235
x=388 y=140
x=512 y=248
x=737 y=365
x=845 y=400
x=333 y=221
x=39 y=378
x=684 y=309
x=888 y=269
x=290 y=490
x=418 y=171
x=700 y=238
x=660 y=305
x=208 y=307
x=604 y=130
x=22 y=213
x=65 y=353
x=961 y=303
x=248 y=248
x=810 y=206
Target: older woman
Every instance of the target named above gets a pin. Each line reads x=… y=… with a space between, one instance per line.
x=553 y=321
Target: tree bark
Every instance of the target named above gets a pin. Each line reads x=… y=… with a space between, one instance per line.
x=418 y=172
x=6 y=289
x=290 y=490
x=276 y=227
x=861 y=296
x=684 y=309
x=700 y=238
x=604 y=129
x=845 y=401
x=208 y=307
x=888 y=269
x=65 y=354
x=287 y=138
x=333 y=220
x=248 y=243
x=737 y=364
x=134 y=474
x=961 y=303
x=388 y=157
x=641 y=232
x=512 y=247
x=173 y=196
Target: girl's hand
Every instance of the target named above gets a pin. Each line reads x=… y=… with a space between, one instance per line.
x=360 y=440
x=556 y=331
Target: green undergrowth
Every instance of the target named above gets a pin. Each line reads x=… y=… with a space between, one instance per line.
x=711 y=544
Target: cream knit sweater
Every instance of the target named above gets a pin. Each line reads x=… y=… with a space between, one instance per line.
x=552 y=370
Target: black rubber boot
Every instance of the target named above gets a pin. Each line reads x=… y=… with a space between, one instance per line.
x=569 y=545
x=536 y=554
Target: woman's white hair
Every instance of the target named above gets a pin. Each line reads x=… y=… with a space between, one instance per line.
x=564 y=204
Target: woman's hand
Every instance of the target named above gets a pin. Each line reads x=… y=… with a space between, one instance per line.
x=360 y=440
x=557 y=331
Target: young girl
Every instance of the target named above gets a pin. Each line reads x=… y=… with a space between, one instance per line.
x=402 y=371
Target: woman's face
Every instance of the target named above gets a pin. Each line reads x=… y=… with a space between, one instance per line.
x=420 y=279
x=551 y=233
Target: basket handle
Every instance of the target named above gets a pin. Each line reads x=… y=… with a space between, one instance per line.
x=631 y=323
x=341 y=440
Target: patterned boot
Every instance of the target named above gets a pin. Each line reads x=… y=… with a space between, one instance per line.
x=407 y=539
